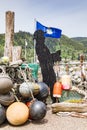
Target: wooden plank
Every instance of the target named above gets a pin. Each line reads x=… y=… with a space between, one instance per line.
x=69 y=107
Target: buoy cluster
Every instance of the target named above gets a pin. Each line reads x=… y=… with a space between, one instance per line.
x=28 y=105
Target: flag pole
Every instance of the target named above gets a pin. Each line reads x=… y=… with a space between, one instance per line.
x=34 y=51
x=34 y=41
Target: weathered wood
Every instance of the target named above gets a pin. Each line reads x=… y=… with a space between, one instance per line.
x=16 y=53
x=9 y=35
x=69 y=107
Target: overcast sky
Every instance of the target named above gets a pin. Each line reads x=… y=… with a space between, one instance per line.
x=68 y=15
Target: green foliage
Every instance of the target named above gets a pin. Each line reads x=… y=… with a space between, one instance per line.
x=70 y=47
x=2 y=41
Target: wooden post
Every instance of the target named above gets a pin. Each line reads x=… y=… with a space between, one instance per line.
x=9 y=36
x=83 y=75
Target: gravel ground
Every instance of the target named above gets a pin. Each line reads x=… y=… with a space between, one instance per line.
x=51 y=121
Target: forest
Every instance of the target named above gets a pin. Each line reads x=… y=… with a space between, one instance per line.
x=71 y=48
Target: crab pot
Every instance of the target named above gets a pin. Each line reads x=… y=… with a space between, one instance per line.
x=37 y=110
x=57 y=89
x=43 y=92
x=2 y=114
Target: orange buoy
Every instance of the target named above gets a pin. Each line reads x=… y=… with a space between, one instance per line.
x=29 y=103
x=57 y=89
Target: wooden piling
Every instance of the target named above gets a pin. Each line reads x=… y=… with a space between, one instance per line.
x=9 y=35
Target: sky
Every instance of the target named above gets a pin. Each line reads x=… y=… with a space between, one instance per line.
x=68 y=15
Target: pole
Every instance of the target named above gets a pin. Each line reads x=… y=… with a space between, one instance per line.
x=34 y=41
x=34 y=51
x=25 y=49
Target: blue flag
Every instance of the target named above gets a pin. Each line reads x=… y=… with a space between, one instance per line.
x=49 y=31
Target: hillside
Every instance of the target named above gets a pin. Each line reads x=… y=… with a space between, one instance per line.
x=81 y=40
x=70 y=47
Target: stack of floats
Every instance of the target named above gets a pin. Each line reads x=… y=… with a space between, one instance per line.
x=31 y=97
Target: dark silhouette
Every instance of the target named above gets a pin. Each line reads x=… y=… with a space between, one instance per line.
x=46 y=60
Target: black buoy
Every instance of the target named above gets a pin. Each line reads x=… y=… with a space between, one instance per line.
x=37 y=110
x=2 y=114
x=43 y=92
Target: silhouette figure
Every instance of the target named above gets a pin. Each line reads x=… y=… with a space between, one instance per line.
x=46 y=60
